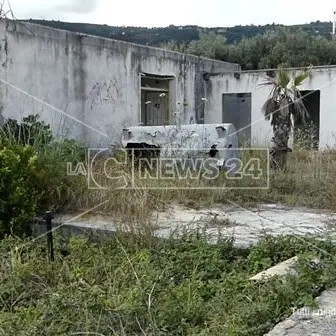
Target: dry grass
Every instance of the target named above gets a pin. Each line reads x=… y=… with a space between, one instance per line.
x=310 y=180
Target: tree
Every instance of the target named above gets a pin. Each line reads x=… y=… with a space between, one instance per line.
x=174 y=46
x=209 y=45
x=285 y=103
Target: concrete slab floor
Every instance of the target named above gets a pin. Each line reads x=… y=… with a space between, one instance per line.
x=245 y=225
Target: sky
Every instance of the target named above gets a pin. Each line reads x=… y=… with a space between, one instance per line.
x=156 y=13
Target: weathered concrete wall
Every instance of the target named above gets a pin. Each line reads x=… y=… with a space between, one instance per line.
x=94 y=83
x=322 y=78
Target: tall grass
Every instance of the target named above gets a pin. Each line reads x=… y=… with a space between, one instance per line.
x=308 y=181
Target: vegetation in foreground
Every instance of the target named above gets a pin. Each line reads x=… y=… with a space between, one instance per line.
x=141 y=286
x=138 y=285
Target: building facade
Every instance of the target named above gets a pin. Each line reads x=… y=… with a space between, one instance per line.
x=90 y=88
x=243 y=95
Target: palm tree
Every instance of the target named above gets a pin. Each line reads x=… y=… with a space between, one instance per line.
x=284 y=105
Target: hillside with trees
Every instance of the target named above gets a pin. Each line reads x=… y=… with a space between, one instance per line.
x=254 y=47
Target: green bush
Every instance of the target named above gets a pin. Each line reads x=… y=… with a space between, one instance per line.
x=33 y=169
x=18 y=166
x=56 y=189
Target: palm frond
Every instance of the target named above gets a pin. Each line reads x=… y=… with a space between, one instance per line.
x=291 y=93
x=299 y=79
x=285 y=98
x=284 y=107
x=299 y=110
x=269 y=107
x=268 y=81
x=283 y=78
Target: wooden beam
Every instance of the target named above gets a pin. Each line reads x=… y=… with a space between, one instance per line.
x=145 y=88
x=158 y=77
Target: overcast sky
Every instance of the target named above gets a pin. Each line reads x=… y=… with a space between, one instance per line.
x=156 y=13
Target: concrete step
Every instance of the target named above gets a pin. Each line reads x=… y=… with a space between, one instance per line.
x=281 y=269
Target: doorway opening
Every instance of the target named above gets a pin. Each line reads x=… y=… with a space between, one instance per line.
x=237 y=109
x=156 y=99
x=307 y=135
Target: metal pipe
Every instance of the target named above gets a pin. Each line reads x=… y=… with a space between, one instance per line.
x=48 y=219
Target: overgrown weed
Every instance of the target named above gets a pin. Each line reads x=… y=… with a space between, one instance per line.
x=131 y=286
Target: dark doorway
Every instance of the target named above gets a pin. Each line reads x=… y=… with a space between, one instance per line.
x=308 y=135
x=236 y=108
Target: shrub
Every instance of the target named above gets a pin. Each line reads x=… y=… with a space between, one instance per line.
x=17 y=199
x=133 y=286
x=56 y=189
x=33 y=168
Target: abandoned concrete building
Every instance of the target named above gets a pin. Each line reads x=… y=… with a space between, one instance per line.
x=90 y=88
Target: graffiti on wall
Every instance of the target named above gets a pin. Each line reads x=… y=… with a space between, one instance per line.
x=104 y=92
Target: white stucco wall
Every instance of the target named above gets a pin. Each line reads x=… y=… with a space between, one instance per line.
x=322 y=78
x=94 y=83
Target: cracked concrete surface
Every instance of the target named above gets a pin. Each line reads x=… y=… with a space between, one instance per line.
x=245 y=225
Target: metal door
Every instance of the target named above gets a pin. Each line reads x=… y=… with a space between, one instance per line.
x=237 y=110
